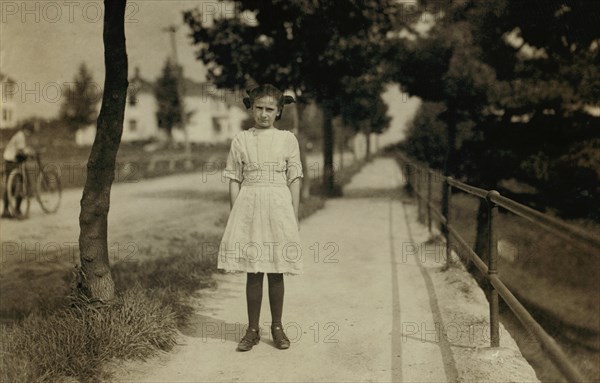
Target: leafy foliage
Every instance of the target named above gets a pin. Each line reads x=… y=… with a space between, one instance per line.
x=426 y=136
x=522 y=75
x=168 y=114
x=313 y=48
x=303 y=45
x=79 y=108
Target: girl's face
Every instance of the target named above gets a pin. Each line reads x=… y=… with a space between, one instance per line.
x=265 y=110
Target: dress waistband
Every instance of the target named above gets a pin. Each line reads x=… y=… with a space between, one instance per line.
x=268 y=184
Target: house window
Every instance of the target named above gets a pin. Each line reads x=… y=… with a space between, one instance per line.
x=216 y=125
x=133 y=125
x=4 y=115
x=133 y=100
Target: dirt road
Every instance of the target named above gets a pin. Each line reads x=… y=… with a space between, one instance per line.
x=373 y=304
x=144 y=213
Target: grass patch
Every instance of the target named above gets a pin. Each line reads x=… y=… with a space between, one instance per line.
x=76 y=340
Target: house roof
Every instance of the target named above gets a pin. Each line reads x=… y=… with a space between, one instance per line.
x=205 y=89
x=137 y=85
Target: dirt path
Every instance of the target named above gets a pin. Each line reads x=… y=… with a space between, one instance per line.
x=373 y=306
x=144 y=214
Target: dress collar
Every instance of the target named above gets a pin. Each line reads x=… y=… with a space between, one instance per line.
x=254 y=132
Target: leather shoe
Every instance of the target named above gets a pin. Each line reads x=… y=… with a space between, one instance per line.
x=249 y=340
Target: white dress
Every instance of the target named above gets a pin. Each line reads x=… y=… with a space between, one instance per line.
x=262 y=232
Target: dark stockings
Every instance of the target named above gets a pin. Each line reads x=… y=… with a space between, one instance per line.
x=254 y=289
x=276 y=297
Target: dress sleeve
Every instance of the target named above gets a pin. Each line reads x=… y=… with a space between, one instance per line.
x=234 y=166
x=293 y=166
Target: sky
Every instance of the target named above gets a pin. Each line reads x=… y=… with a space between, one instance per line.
x=42 y=44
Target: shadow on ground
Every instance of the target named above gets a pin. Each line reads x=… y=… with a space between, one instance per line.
x=397 y=193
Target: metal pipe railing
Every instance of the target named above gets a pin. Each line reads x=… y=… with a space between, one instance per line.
x=496 y=287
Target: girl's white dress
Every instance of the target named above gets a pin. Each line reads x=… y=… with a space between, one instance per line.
x=262 y=232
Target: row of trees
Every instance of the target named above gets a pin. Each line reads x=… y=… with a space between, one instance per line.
x=506 y=85
x=80 y=105
x=329 y=52
x=503 y=82
x=510 y=89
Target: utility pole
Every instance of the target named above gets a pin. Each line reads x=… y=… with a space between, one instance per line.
x=172 y=30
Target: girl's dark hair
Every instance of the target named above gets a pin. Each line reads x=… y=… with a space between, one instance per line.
x=267 y=90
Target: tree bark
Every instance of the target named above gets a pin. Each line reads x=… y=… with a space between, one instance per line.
x=96 y=279
x=297 y=113
x=328 y=145
x=341 y=145
x=368 y=152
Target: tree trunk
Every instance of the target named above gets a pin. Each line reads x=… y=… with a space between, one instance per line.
x=328 y=145
x=340 y=133
x=306 y=181
x=450 y=118
x=368 y=152
x=341 y=145
x=96 y=278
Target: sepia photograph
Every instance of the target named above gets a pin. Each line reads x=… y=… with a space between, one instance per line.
x=387 y=191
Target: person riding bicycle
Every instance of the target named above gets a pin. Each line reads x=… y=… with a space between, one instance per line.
x=16 y=151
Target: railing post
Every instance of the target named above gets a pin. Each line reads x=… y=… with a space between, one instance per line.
x=447 y=194
x=429 y=199
x=492 y=269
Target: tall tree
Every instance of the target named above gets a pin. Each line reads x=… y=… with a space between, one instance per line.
x=520 y=75
x=536 y=64
x=362 y=106
x=426 y=138
x=79 y=108
x=96 y=279
x=306 y=46
x=168 y=114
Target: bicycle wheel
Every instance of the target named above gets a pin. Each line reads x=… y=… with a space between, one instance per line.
x=18 y=200
x=49 y=191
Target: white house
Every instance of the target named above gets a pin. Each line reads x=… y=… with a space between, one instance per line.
x=216 y=115
x=8 y=105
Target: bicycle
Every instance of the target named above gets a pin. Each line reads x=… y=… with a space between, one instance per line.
x=47 y=189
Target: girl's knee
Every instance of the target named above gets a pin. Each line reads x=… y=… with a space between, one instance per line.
x=255 y=278
x=275 y=277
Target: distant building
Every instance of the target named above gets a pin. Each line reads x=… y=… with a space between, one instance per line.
x=8 y=105
x=216 y=115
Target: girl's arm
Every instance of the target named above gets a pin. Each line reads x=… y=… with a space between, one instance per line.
x=234 y=190
x=295 y=190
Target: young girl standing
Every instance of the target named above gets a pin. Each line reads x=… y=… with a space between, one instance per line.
x=262 y=234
